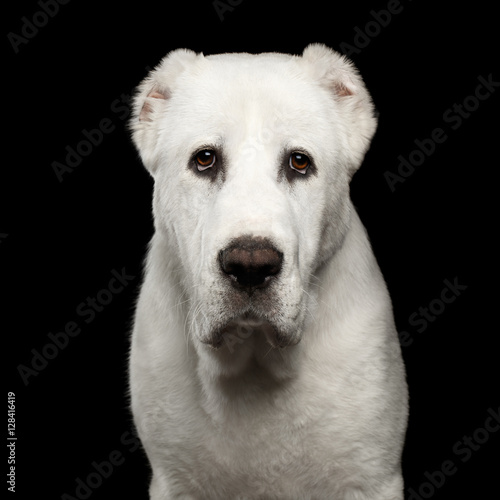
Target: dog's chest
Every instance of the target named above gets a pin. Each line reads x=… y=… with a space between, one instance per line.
x=255 y=444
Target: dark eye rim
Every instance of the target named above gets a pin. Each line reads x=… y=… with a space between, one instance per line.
x=302 y=170
x=200 y=166
x=291 y=174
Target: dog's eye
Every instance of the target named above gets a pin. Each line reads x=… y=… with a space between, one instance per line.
x=204 y=159
x=299 y=162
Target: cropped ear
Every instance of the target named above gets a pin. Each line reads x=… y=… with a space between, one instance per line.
x=339 y=76
x=150 y=101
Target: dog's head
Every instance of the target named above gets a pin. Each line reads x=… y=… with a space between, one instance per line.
x=252 y=157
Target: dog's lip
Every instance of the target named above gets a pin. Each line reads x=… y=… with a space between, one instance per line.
x=280 y=341
x=214 y=341
x=275 y=338
x=251 y=319
x=247 y=319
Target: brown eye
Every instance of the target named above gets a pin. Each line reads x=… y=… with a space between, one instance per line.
x=205 y=159
x=299 y=162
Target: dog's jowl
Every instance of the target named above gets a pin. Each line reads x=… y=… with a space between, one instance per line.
x=265 y=363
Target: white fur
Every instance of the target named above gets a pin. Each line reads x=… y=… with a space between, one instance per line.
x=324 y=417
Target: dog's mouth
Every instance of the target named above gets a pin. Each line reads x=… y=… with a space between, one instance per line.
x=250 y=319
x=244 y=327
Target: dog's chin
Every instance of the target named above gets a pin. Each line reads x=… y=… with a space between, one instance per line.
x=249 y=325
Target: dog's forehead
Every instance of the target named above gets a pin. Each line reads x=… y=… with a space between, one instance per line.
x=270 y=90
x=244 y=77
x=247 y=58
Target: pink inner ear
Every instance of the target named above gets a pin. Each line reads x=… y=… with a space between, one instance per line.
x=341 y=90
x=146 y=108
x=157 y=95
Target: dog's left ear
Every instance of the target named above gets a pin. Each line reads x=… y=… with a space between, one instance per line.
x=150 y=103
x=340 y=77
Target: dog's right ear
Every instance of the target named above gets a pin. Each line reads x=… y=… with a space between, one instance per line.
x=150 y=102
x=335 y=73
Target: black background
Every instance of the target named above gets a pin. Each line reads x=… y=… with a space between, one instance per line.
x=61 y=240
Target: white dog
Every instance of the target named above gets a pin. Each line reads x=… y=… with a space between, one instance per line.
x=265 y=363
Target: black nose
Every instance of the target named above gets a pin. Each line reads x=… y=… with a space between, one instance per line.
x=251 y=262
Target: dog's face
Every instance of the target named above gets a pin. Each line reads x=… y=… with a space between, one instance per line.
x=252 y=157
